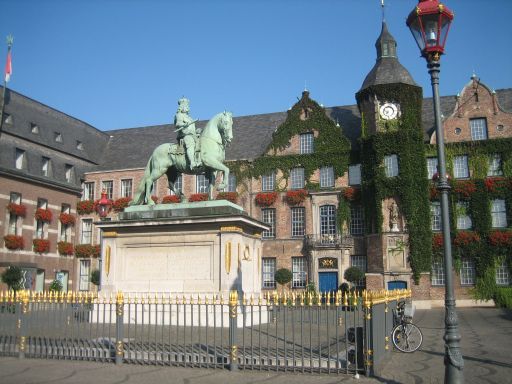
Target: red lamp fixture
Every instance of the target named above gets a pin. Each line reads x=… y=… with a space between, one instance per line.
x=104 y=205
x=429 y=23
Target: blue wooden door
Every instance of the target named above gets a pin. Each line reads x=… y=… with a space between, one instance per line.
x=328 y=281
x=397 y=284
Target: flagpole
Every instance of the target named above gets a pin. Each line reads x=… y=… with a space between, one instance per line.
x=9 y=45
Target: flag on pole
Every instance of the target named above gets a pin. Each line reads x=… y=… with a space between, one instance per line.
x=8 y=67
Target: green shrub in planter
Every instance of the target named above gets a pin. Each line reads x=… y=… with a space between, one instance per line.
x=12 y=276
x=503 y=297
x=56 y=286
x=353 y=275
x=283 y=276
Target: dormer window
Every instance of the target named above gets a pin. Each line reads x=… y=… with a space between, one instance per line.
x=69 y=173
x=58 y=137
x=34 y=128
x=79 y=145
x=45 y=166
x=7 y=118
x=306 y=143
x=20 y=159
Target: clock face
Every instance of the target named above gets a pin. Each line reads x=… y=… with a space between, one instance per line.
x=388 y=111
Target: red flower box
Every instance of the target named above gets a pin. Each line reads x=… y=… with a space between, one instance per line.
x=465 y=188
x=85 y=207
x=198 y=197
x=171 y=199
x=351 y=193
x=44 y=215
x=67 y=219
x=500 y=238
x=17 y=209
x=120 y=204
x=65 y=248
x=296 y=197
x=87 y=250
x=265 y=199
x=229 y=196
x=41 y=245
x=466 y=238
x=497 y=184
x=13 y=242
x=437 y=241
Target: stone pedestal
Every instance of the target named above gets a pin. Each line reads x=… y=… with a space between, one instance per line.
x=201 y=248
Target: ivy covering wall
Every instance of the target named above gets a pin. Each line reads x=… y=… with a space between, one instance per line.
x=404 y=138
x=485 y=245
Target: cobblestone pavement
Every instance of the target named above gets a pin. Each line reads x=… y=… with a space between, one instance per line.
x=486 y=346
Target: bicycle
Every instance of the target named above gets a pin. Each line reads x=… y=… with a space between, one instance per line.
x=406 y=336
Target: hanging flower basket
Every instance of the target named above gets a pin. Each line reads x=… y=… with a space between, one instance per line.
x=41 y=245
x=465 y=238
x=87 y=251
x=500 y=238
x=437 y=241
x=120 y=204
x=17 y=209
x=85 y=207
x=265 y=199
x=198 y=197
x=171 y=199
x=465 y=188
x=65 y=248
x=351 y=193
x=13 y=242
x=229 y=196
x=44 y=215
x=67 y=219
x=296 y=197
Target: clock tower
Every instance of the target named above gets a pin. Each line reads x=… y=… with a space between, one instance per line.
x=393 y=167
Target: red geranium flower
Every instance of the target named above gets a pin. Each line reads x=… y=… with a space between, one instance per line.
x=41 y=245
x=296 y=197
x=13 y=242
x=171 y=199
x=67 y=219
x=229 y=196
x=65 y=248
x=17 y=209
x=44 y=215
x=266 y=199
x=121 y=203
x=198 y=197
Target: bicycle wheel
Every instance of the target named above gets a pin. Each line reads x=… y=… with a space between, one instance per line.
x=407 y=337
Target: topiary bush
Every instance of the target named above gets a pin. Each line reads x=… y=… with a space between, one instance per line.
x=353 y=275
x=283 y=276
x=12 y=276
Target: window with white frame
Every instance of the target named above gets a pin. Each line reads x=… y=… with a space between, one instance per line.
x=70 y=173
x=298 y=219
x=354 y=174
x=126 y=187
x=356 y=220
x=85 y=273
x=495 y=165
x=178 y=185
x=435 y=216
x=502 y=273
x=268 y=182
x=108 y=187
x=478 y=129
x=327 y=220
x=306 y=143
x=42 y=203
x=231 y=187
x=437 y=277
x=20 y=158
x=498 y=213
x=65 y=229
x=326 y=177
x=460 y=167
x=268 y=272
x=40 y=227
x=299 y=272
x=202 y=184
x=297 y=178
x=45 y=166
x=431 y=167
x=268 y=216
x=467 y=272
x=86 y=231
x=463 y=218
x=14 y=198
x=88 y=191
x=359 y=261
x=391 y=165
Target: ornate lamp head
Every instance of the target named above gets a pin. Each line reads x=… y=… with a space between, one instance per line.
x=104 y=205
x=429 y=23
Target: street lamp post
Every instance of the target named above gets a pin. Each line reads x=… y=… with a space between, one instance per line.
x=429 y=23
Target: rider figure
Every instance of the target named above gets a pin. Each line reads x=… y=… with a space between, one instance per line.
x=186 y=128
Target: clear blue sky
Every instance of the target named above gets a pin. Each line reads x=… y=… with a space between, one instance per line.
x=120 y=64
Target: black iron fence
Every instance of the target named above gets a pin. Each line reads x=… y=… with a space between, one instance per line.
x=333 y=333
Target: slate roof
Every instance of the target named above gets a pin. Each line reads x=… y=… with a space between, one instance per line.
x=24 y=113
